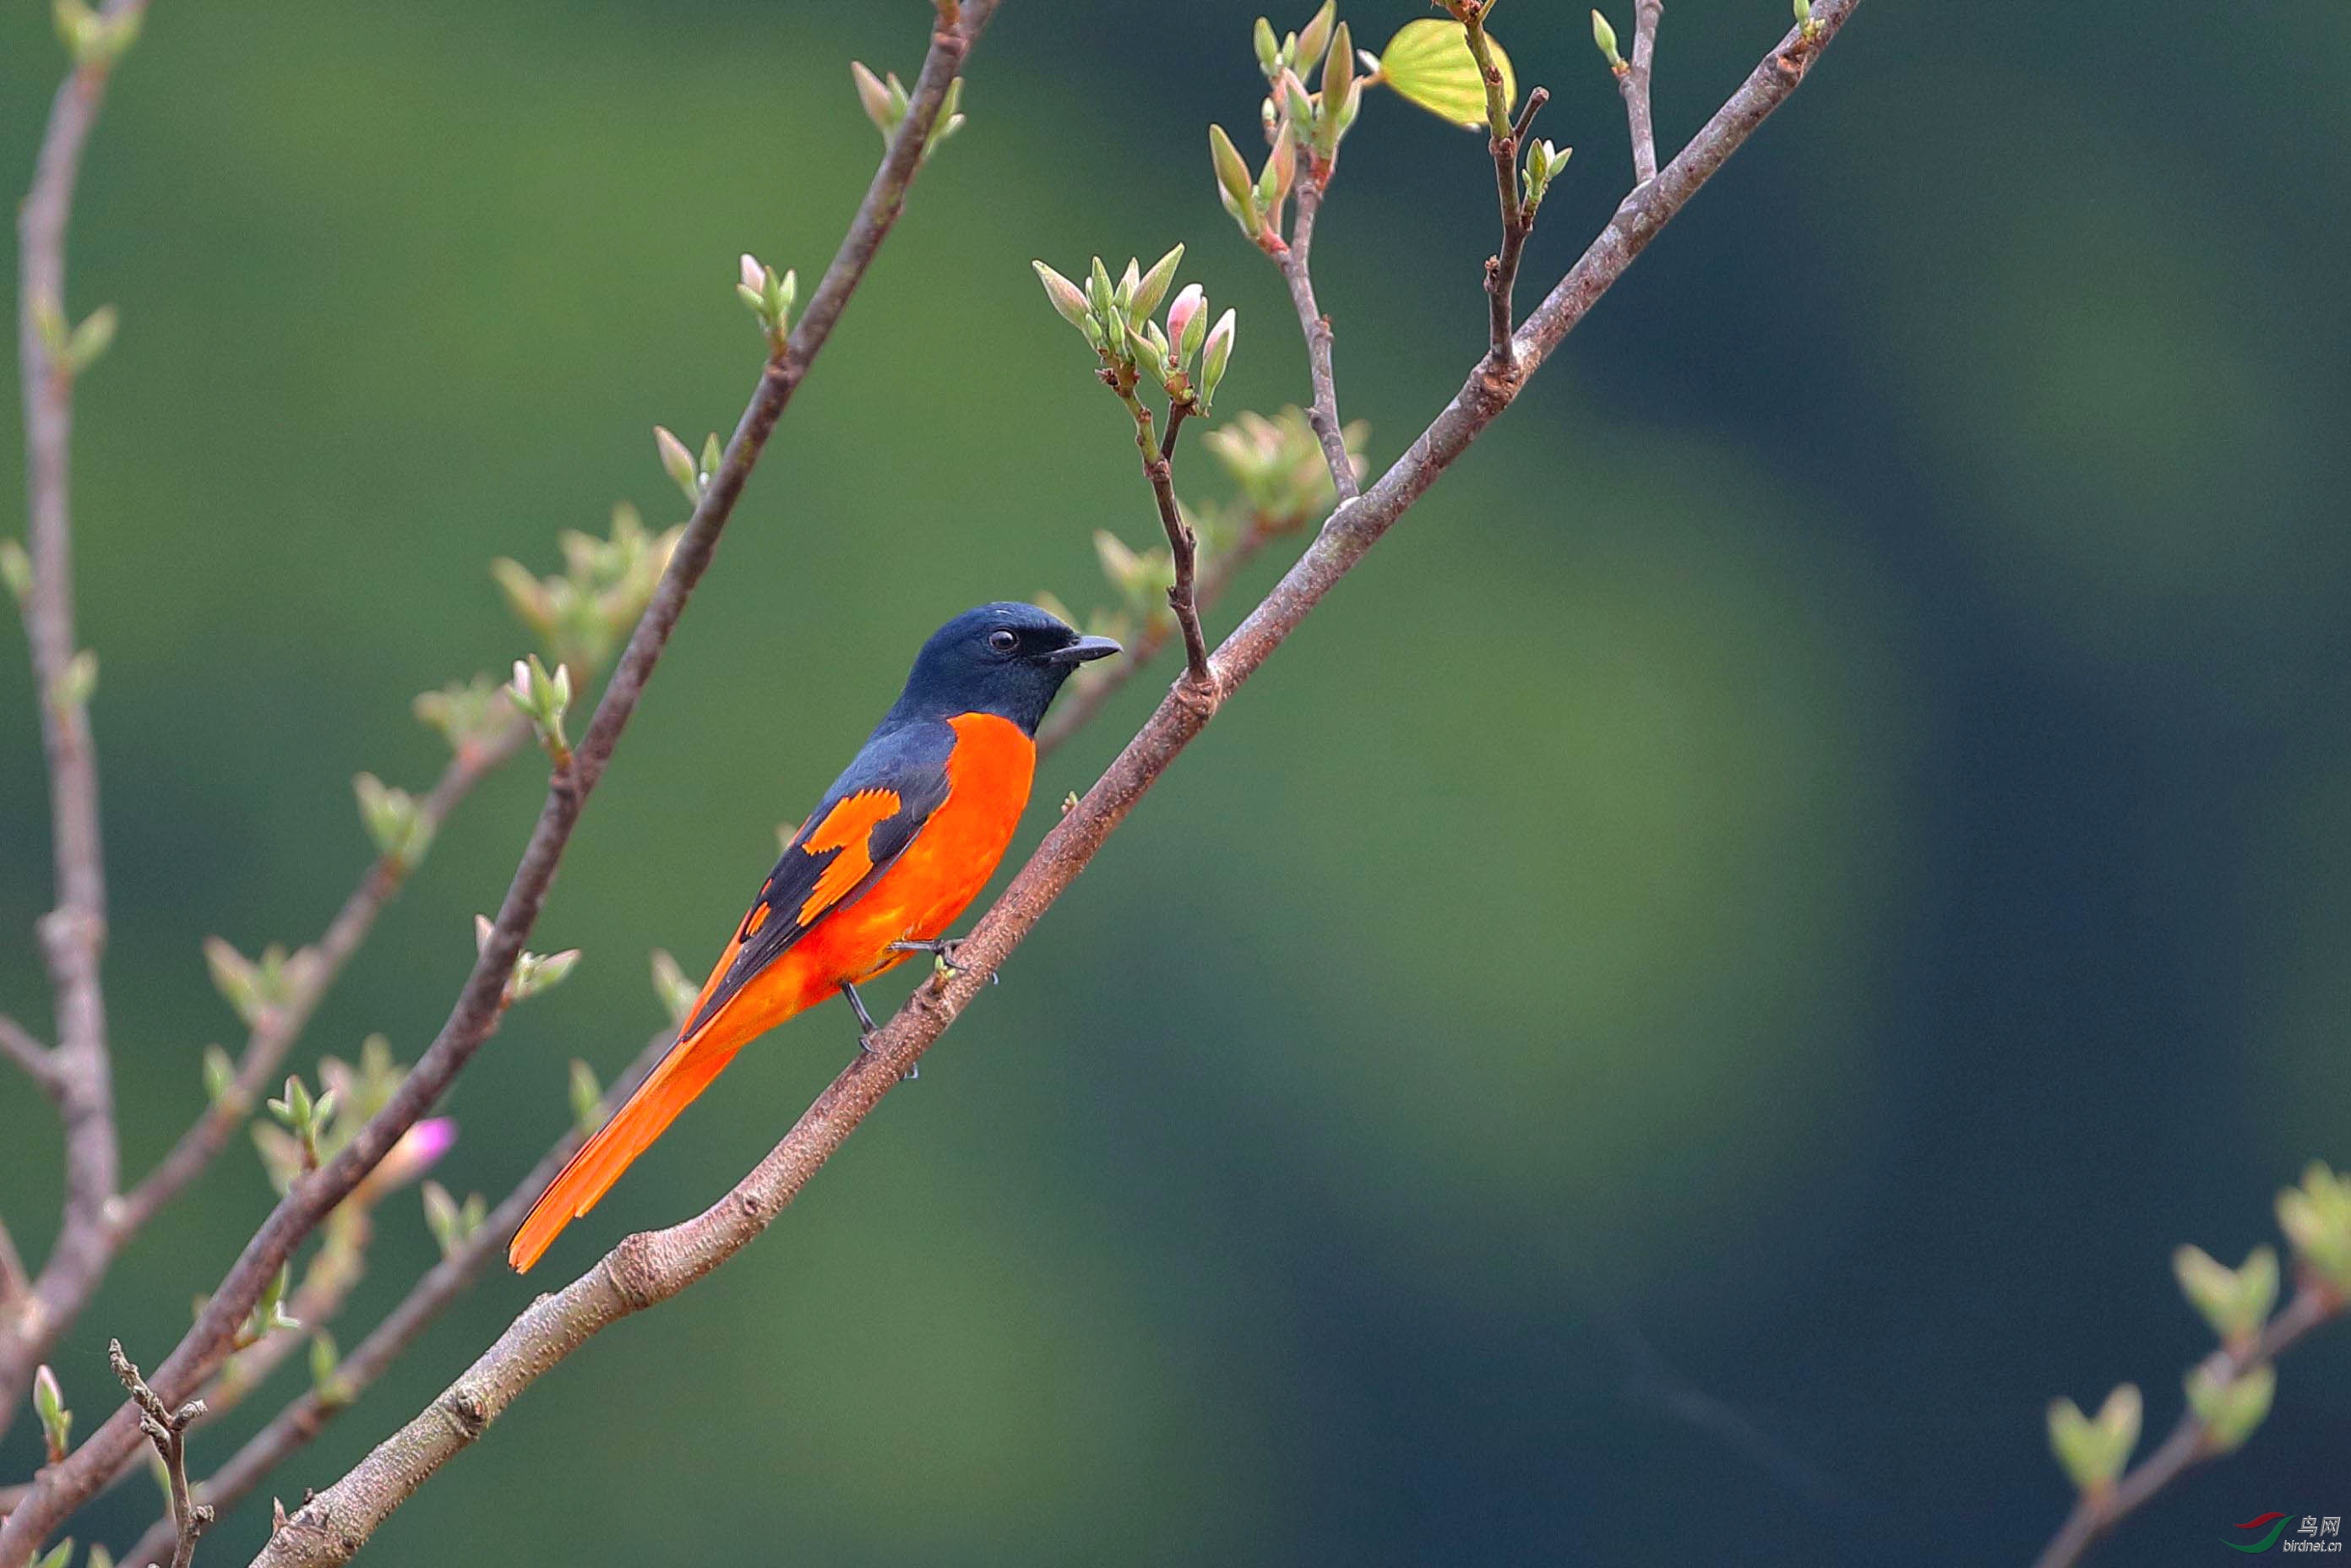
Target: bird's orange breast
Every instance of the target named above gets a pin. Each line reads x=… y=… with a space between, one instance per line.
x=939 y=874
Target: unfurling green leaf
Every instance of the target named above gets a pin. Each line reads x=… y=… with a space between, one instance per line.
x=1314 y=37
x=2235 y=1302
x=769 y=296
x=543 y=698
x=1234 y=187
x=2316 y=1218
x=76 y=682
x=1333 y=115
x=470 y=716
x=1214 y=358
x=532 y=972
x=677 y=992
x=395 y=819
x=1604 y=35
x=220 y=1079
x=49 y=1405
x=1428 y=63
x=1544 y=161
x=587 y=1098
x=875 y=100
x=1277 y=465
x=1068 y=299
x=442 y=1218
x=2230 y=1410
x=678 y=463
x=331 y=1390
x=1141 y=578
x=90 y=340
x=92 y=38
x=255 y=988
x=2093 y=1452
x=885 y=101
x=16 y=572
x=268 y=1314
x=1153 y=287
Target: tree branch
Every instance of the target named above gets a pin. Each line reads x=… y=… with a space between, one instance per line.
x=17 y=1044
x=1502 y=141
x=2093 y=1516
x=62 y=1488
x=1078 y=707
x=168 y=1429
x=1632 y=81
x=1158 y=468
x=1297 y=271
x=73 y=934
x=302 y=1420
x=651 y=1267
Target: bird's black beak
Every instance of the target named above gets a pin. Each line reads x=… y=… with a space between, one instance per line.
x=1084 y=648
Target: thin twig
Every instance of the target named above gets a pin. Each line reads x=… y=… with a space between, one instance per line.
x=327 y=1282
x=1518 y=222
x=651 y=1267
x=2185 y=1448
x=1158 y=468
x=167 y=1428
x=1077 y=707
x=73 y=934
x=1632 y=81
x=1297 y=270
x=310 y=1414
x=1502 y=142
x=17 y=1044
x=63 y=1487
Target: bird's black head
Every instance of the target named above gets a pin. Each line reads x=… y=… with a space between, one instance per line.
x=1004 y=659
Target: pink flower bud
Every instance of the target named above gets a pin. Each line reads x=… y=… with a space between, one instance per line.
x=1185 y=308
x=754 y=276
x=418 y=1149
x=1218 y=352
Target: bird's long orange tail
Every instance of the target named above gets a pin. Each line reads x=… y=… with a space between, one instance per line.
x=669 y=1089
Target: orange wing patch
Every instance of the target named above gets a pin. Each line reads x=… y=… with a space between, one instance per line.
x=847 y=828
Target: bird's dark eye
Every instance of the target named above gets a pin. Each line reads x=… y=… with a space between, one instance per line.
x=1003 y=641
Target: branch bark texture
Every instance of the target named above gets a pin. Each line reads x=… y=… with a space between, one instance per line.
x=308 y=1415
x=651 y=1267
x=73 y=934
x=1298 y=271
x=1634 y=83
x=64 y=1487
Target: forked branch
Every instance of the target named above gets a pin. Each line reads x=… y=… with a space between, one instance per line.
x=73 y=934
x=167 y=1428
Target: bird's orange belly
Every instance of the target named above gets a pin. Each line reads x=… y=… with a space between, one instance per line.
x=937 y=876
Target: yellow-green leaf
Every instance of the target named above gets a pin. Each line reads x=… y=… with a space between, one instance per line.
x=1428 y=62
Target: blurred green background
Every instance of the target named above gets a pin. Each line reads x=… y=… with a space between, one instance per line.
x=1695 y=996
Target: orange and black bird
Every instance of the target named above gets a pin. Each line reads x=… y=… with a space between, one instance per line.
x=905 y=838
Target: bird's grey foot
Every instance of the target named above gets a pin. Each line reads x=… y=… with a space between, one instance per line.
x=867 y=1029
